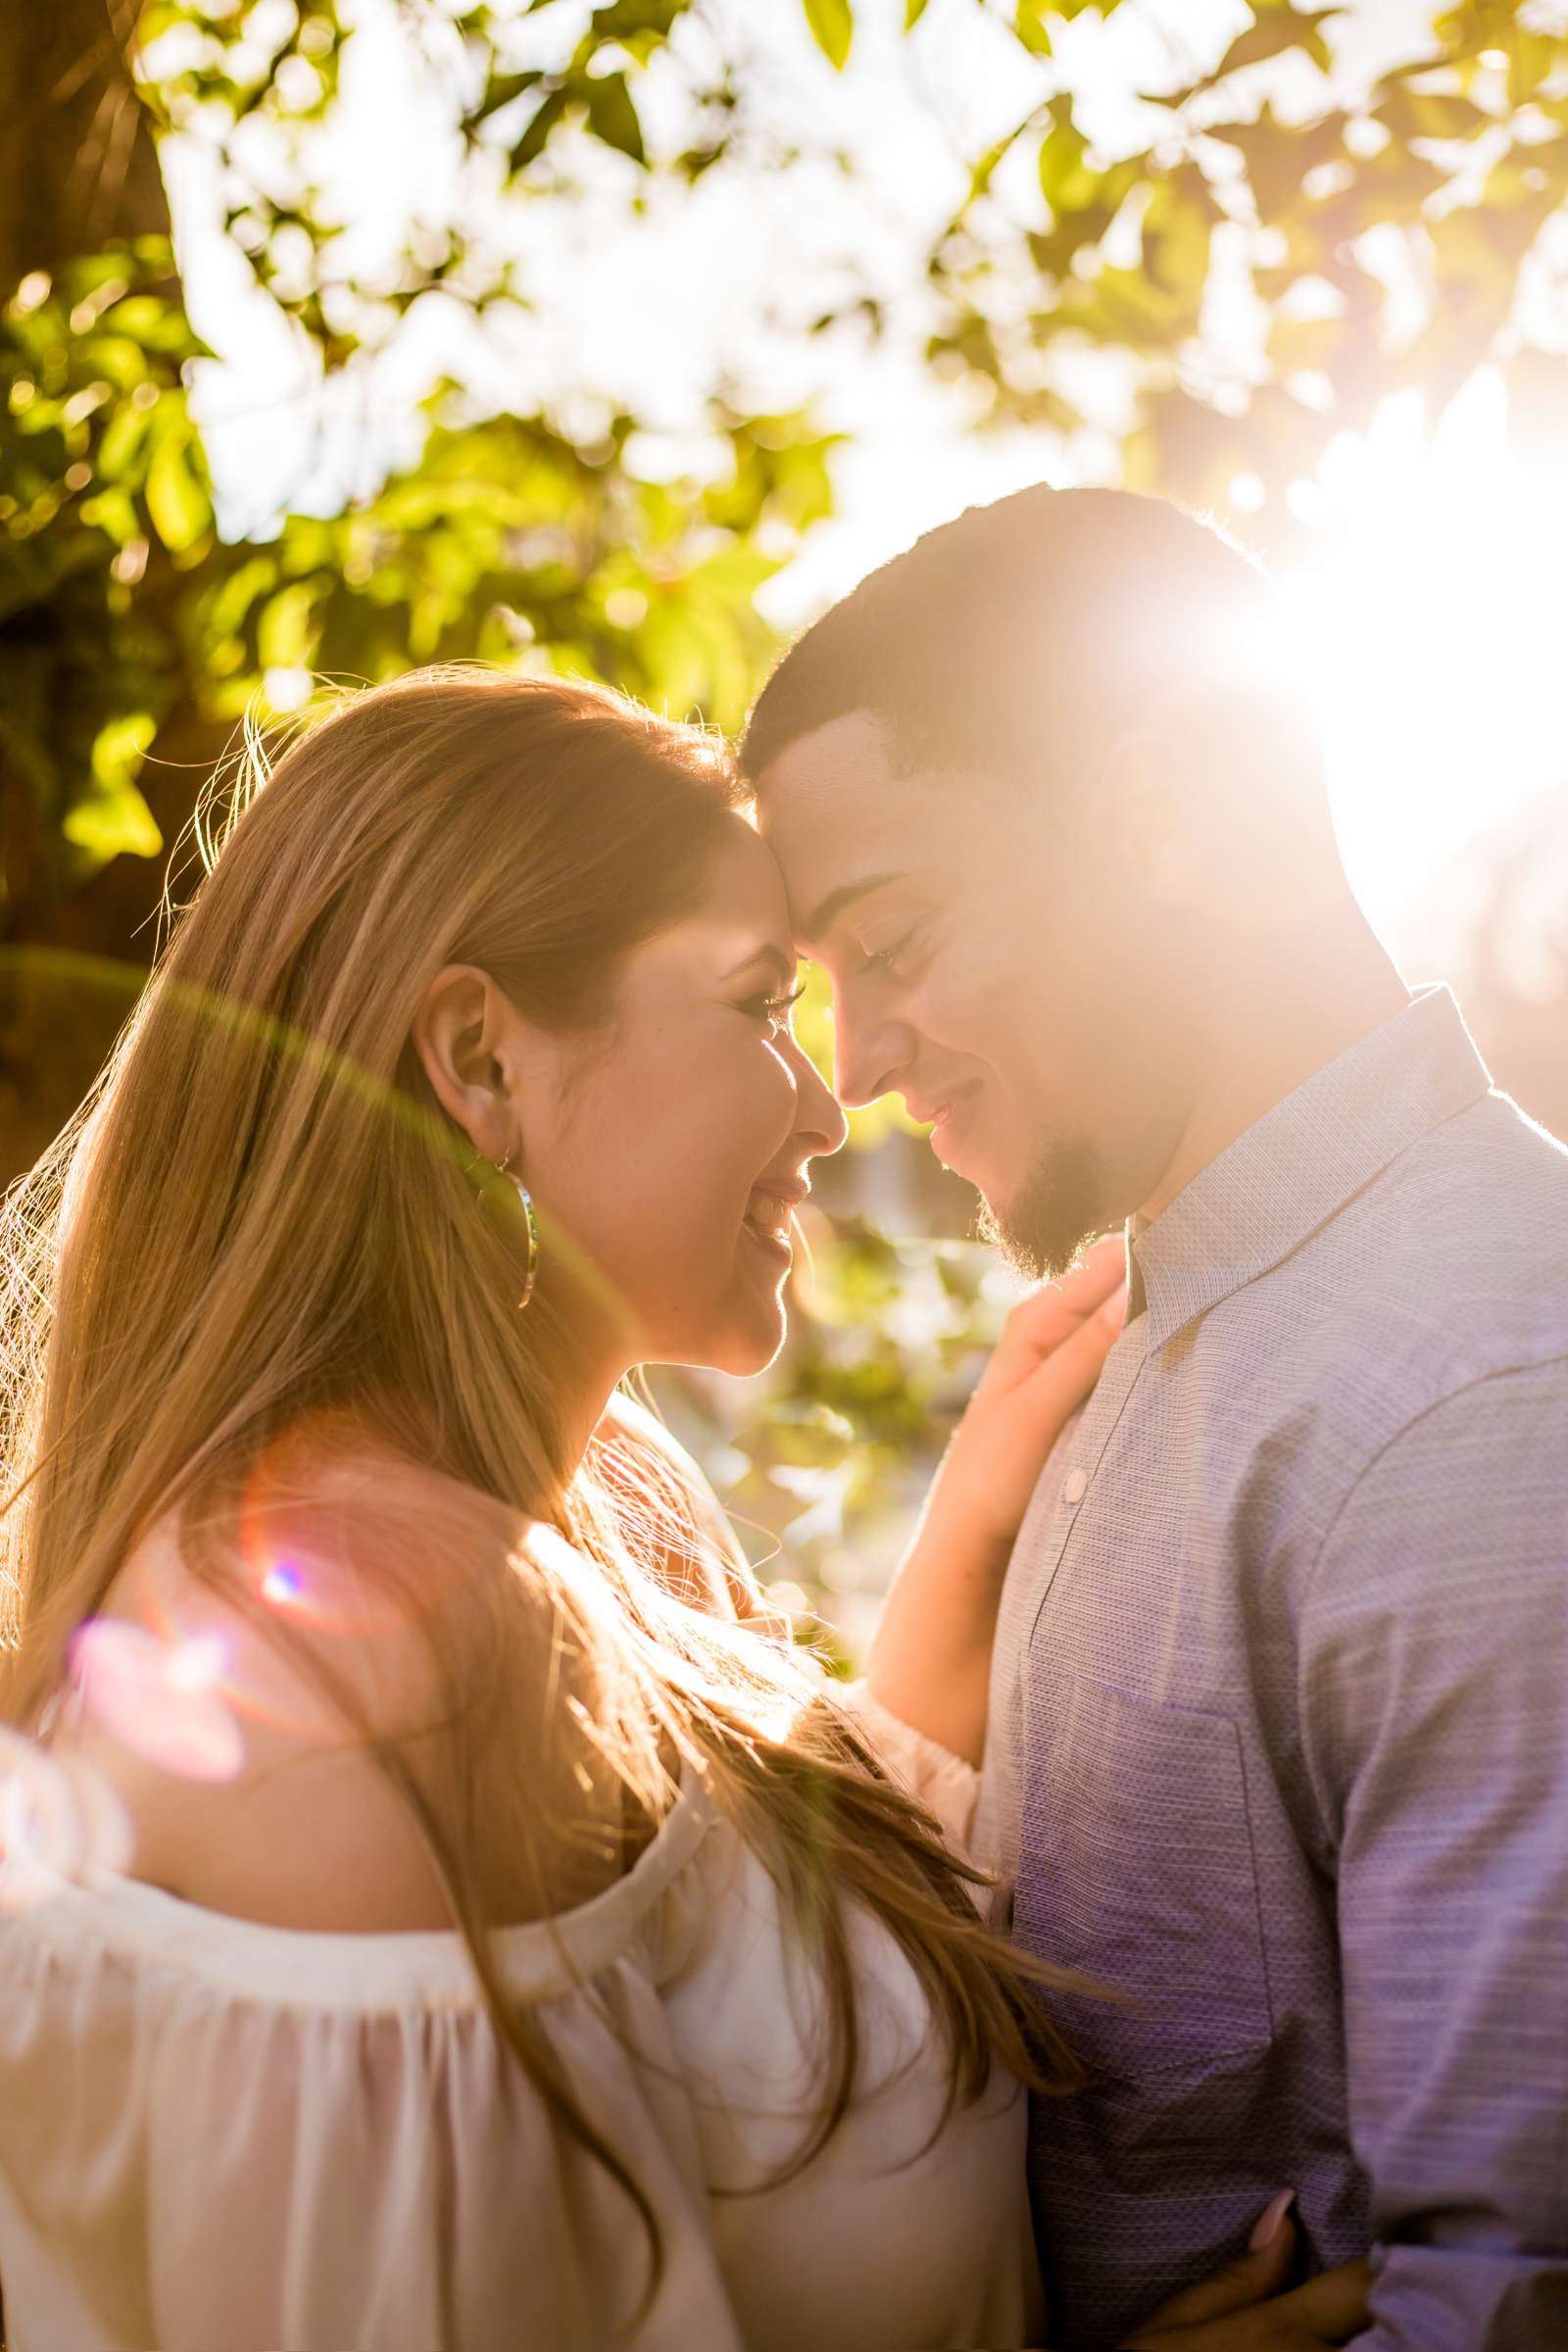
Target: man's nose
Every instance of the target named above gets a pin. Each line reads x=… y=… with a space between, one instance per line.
x=868 y=1053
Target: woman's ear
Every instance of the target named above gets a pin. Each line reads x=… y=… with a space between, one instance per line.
x=461 y=1035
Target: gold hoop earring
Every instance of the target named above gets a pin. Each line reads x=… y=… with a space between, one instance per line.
x=530 y=1221
x=499 y=1197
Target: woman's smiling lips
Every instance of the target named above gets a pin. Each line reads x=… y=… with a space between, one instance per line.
x=771 y=1213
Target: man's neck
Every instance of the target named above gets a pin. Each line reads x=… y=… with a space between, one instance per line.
x=1296 y=1015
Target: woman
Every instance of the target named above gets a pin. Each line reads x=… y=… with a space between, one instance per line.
x=505 y=1942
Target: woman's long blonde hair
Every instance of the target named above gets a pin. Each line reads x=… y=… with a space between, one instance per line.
x=260 y=1224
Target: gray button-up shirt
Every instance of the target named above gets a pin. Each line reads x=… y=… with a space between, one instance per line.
x=1278 y=1743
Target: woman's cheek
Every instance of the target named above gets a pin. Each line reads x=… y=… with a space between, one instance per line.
x=778 y=1105
x=753 y=1099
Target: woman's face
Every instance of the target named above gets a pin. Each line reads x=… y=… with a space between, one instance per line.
x=671 y=1149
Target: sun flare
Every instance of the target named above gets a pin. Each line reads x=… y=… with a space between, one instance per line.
x=1433 y=627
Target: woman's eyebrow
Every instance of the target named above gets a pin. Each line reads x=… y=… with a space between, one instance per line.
x=784 y=965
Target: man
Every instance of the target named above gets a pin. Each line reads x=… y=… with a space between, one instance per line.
x=1278 y=1734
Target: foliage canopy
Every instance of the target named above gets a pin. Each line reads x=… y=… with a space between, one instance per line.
x=1278 y=248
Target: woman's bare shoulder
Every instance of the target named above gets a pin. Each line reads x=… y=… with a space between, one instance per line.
x=238 y=1675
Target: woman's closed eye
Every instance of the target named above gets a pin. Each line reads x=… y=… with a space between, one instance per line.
x=773 y=1007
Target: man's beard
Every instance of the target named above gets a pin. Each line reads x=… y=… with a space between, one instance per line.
x=1062 y=1205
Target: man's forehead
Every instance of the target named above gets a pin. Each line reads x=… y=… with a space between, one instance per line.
x=831 y=807
x=847 y=759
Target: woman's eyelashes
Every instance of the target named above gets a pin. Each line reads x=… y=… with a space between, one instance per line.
x=773 y=1008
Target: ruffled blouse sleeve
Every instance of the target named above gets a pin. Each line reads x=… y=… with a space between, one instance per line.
x=219 y=2134
x=942 y=1783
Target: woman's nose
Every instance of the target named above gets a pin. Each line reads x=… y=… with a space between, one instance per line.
x=819 y=1119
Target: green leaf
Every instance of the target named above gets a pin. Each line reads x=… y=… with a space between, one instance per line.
x=113 y=512
x=158 y=17
x=120 y=446
x=176 y=495
x=1279 y=154
x=832 y=29
x=283 y=633
x=1065 y=181
x=110 y=817
x=156 y=324
x=913 y=11
x=232 y=601
x=1176 y=239
x=613 y=117
x=118 y=358
x=1531 y=58
x=629 y=21
x=1411 y=113
x=1030 y=25
x=533 y=142
x=734 y=573
x=1311 y=342
x=1274 y=29
x=499 y=92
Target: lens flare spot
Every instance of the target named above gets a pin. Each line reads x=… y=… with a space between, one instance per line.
x=282 y=1582
x=286 y=689
x=59 y=1817
x=160 y=1700
x=197 y=1664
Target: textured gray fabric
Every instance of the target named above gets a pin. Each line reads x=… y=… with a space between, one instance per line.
x=1278 y=1743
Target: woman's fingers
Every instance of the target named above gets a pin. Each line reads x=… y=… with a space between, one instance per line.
x=1331 y=2307
x=1248 y=2279
x=1061 y=1380
x=1049 y=1315
x=1101 y=1266
x=1327 y=2310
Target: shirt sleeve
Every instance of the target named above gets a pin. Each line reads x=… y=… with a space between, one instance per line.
x=1435 y=1715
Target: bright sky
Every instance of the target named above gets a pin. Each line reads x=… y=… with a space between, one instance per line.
x=1435 y=605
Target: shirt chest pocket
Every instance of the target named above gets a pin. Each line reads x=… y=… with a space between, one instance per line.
x=1136 y=1867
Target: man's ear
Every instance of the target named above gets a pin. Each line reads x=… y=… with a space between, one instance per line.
x=1155 y=816
x=461 y=1035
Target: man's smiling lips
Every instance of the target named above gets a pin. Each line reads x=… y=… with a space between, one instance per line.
x=936 y=1111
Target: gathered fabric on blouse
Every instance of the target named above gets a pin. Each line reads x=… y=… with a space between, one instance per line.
x=222 y=2136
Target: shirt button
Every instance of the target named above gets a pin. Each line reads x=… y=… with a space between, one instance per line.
x=1075 y=1486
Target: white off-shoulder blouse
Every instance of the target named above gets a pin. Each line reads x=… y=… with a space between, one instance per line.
x=220 y=2137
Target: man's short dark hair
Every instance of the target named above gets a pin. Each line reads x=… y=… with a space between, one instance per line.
x=1020 y=632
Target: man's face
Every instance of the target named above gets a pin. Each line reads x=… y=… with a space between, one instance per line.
x=990 y=963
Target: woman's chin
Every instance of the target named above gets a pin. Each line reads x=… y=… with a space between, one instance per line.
x=741 y=1329
x=743 y=1358
x=741 y=1342
x=750 y=1338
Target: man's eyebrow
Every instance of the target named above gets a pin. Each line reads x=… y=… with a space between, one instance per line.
x=822 y=919
x=783 y=964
